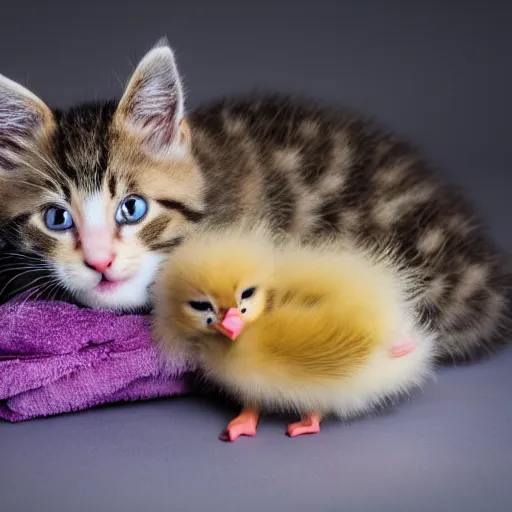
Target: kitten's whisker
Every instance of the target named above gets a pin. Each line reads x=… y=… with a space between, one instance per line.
x=52 y=165
x=22 y=266
x=28 y=260
x=31 y=293
x=18 y=265
x=8 y=272
x=40 y=288
x=55 y=289
x=18 y=276
x=25 y=254
x=44 y=289
x=20 y=255
x=46 y=176
x=121 y=83
x=32 y=185
x=28 y=287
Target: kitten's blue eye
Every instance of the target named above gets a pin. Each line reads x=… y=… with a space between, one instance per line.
x=131 y=210
x=58 y=219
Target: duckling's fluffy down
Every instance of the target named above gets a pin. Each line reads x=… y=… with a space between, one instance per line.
x=325 y=343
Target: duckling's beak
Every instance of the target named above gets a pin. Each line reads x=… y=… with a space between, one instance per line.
x=231 y=325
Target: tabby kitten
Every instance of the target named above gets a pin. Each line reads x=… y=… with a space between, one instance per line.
x=102 y=193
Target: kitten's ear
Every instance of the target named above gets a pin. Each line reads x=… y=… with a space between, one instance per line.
x=24 y=121
x=152 y=106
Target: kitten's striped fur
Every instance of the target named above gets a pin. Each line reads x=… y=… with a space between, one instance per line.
x=312 y=171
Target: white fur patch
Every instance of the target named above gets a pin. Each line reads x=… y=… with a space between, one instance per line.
x=332 y=182
x=435 y=290
x=131 y=294
x=475 y=277
x=304 y=214
x=350 y=219
x=287 y=159
x=309 y=128
x=431 y=241
x=234 y=125
x=388 y=211
x=95 y=212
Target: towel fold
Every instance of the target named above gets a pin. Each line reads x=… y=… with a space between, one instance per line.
x=56 y=358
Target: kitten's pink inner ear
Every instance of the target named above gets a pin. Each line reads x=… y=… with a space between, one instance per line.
x=152 y=105
x=24 y=120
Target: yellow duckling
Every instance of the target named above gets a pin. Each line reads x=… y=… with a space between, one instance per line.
x=316 y=330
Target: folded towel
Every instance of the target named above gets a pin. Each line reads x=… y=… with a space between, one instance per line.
x=56 y=357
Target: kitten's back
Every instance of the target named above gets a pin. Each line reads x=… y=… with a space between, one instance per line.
x=319 y=172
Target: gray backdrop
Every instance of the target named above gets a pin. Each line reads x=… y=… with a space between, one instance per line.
x=437 y=72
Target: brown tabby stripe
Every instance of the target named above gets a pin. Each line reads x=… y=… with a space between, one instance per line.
x=12 y=231
x=40 y=242
x=167 y=245
x=152 y=231
x=112 y=185
x=190 y=214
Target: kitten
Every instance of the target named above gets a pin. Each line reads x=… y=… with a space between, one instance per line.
x=102 y=193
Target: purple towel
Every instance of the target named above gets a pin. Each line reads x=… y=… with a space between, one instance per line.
x=57 y=358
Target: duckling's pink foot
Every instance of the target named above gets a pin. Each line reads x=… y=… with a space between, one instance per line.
x=243 y=425
x=403 y=347
x=310 y=424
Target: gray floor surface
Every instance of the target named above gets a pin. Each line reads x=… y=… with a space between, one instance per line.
x=449 y=447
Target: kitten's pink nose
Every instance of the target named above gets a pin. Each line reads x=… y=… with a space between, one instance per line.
x=98 y=251
x=101 y=263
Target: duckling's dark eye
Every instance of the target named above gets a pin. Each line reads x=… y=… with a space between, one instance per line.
x=199 y=305
x=248 y=293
